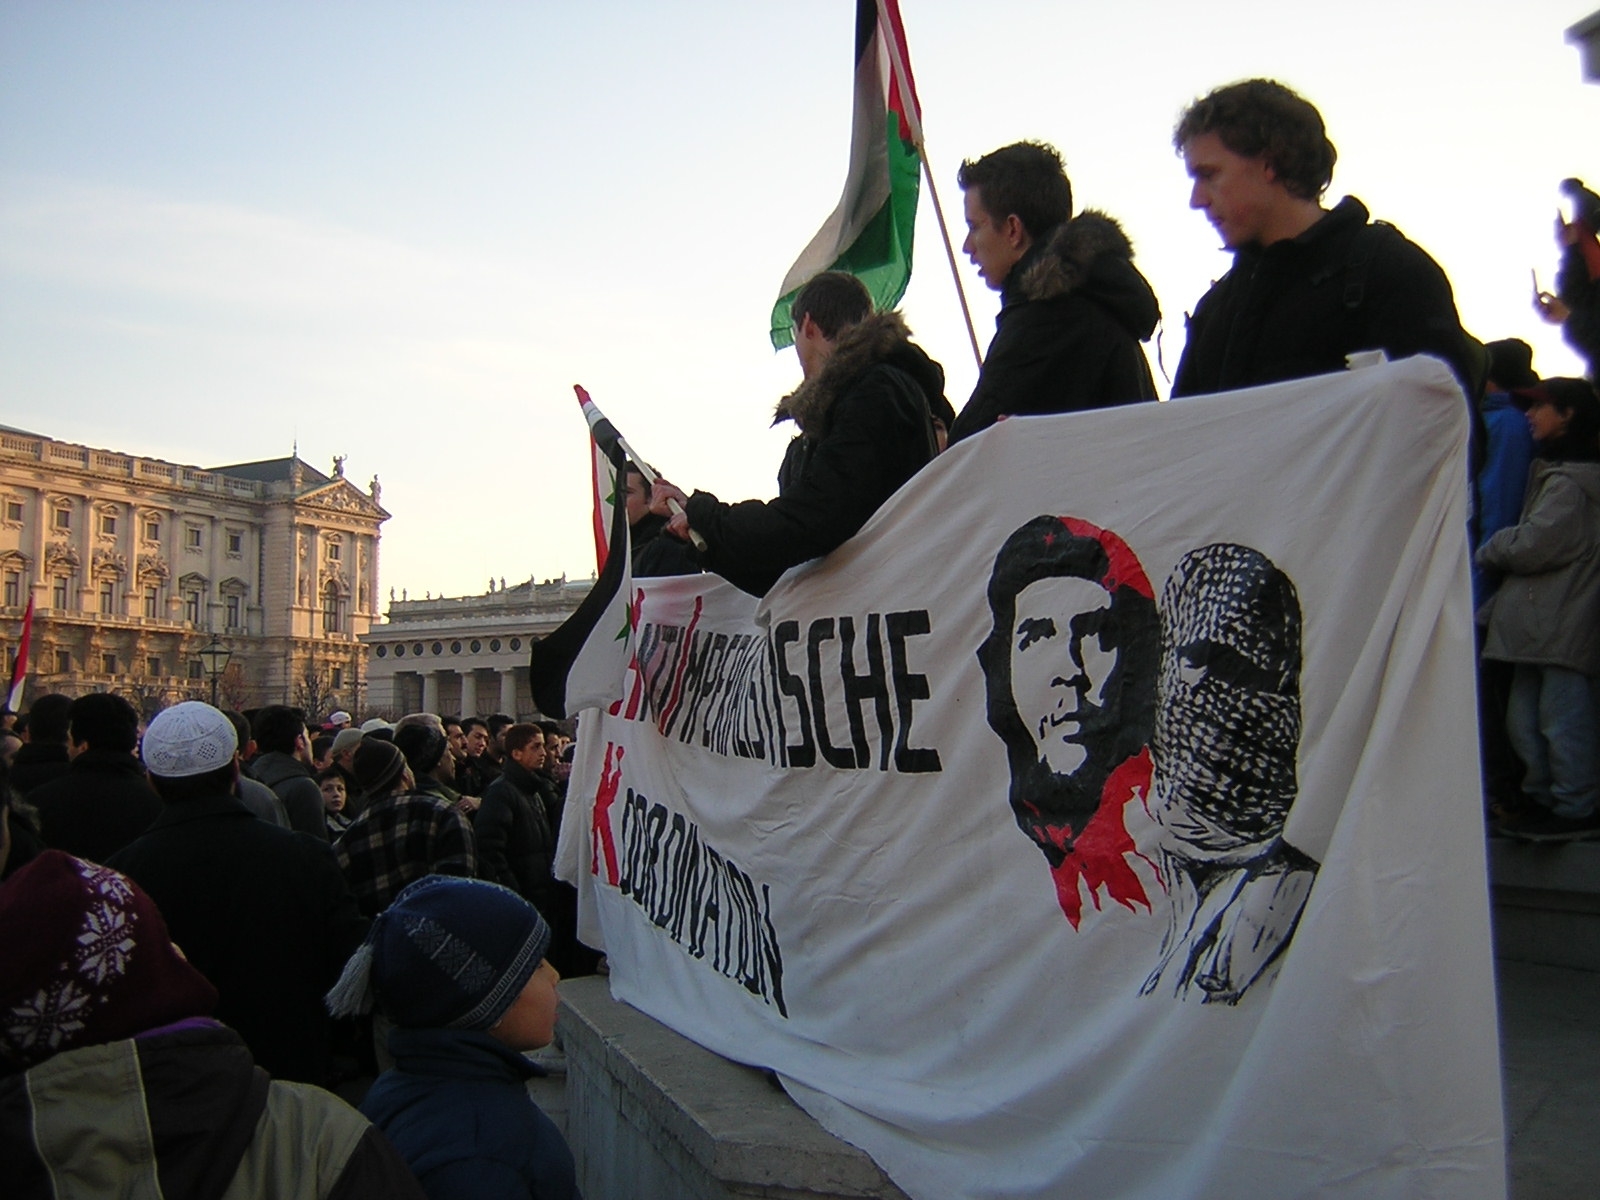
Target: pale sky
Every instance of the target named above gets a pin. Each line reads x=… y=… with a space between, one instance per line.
x=402 y=231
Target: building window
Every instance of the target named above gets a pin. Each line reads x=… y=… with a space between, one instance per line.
x=151 y=596
x=108 y=596
x=337 y=681
x=333 y=551
x=196 y=670
x=233 y=613
x=13 y=589
x=108 y=524
x=191 y=607
x=14 y=511
x=331 y=615
x=108 y=664
x=58 y=592
x=63 y=518
x=494 y=645
x=438 y=647
x=152 y=667
x=382 y=652
x=63 y=662
x=235 y=542
x=152 y=530
x=192 y=537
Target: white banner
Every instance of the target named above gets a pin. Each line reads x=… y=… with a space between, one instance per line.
x=1102 y=821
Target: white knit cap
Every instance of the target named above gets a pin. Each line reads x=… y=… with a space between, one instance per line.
x=188 y=739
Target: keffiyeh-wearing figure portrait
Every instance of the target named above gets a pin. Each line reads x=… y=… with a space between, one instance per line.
x=1226 y=735
x=1193 y=712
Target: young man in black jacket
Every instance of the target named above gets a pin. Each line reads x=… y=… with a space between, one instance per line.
x=104 y=800
x=1309 y=285
x=1073 y=307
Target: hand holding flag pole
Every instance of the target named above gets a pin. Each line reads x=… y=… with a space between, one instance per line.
x=603 y=431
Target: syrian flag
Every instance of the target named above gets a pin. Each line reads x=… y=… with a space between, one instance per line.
x=869 y=234
x=19 y=669
x=581 y=664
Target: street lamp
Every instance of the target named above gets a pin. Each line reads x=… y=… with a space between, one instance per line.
x=214 y=658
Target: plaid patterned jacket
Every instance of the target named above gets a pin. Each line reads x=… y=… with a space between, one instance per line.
x=397 y=841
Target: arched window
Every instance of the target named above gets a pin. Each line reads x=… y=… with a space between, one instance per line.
x=332 y=609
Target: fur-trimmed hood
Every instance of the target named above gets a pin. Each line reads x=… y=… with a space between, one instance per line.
x=1091 y=256
x=881 y=338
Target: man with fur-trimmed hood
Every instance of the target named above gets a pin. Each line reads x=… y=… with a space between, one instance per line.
x=1073 y=307
x=866 y=414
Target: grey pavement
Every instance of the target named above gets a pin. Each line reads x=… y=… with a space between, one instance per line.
x=1550 y=1046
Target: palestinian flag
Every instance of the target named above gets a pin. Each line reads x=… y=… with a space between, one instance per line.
x=869 y=234
x=581 y=665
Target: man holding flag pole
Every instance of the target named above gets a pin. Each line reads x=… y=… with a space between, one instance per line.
x=866 y=416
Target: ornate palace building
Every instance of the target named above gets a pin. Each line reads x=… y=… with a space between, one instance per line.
x=465 y=655
x=134 y=564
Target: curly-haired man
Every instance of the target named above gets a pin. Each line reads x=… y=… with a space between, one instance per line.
x=1309 y=285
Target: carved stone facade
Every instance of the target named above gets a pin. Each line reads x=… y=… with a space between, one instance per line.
x=465 y=655
x=134 y=564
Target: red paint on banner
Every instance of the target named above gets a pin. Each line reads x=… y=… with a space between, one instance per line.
x=601 y=837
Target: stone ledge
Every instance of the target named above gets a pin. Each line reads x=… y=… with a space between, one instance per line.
x=652 y=1113
x=1555 y=867
x=1546 y=902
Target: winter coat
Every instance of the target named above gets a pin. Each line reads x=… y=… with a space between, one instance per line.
x=516 y=844
x=1547 y=611
x=865 y=428
x=1502 y=480
x=183 y=1113
x=429 y=786
x=101 y=804
x=294 y=784
x=263 y=801
x=37 y=763
x=1296 y=308
x=474 y=775
x=456 y=1107
x=1073 y=311
x=1581 y=294
x=263 y=913
x=26 y=844
x=657 y=554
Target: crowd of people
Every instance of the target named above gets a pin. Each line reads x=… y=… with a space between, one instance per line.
x=216 y=899
x=203 y=920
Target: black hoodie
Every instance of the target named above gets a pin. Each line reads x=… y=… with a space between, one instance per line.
x=1072 y=314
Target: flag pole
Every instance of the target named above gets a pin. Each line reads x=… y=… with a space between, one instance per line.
x=903 y=77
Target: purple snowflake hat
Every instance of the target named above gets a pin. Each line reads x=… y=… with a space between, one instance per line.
x=87 y=960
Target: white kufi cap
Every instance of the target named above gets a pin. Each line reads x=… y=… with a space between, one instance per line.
x=188 y=739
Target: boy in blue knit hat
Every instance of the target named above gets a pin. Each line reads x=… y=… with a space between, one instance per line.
x=459 y=966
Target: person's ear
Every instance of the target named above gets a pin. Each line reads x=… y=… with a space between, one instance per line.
x=1016 y=233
